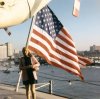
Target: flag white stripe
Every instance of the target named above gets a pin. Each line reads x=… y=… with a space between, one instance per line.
x=70 y=40
x=77 y=4
x=65 y=44
x=81 y=62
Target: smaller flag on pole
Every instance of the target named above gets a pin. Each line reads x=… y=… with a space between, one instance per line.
x=8 y=32
x=76 y=8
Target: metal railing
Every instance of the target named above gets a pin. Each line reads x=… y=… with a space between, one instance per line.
x=41 y=85
x=50 y=84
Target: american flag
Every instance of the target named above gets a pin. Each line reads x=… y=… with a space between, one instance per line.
x=76 y=8
x=49 y=39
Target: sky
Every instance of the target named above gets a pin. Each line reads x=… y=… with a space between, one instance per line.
x=84 y=29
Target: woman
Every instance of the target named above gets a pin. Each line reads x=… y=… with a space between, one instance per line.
x=29 y=66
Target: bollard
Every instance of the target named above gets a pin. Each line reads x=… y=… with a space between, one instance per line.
x=50 y=87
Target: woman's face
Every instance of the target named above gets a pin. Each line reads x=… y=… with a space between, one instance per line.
x=26 y=52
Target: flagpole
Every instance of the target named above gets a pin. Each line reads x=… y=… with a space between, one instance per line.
x=20 y=74
x=29 y=31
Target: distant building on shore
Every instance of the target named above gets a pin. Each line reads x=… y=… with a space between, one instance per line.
x=6 y=51
x=94 y=48
x=93 y=52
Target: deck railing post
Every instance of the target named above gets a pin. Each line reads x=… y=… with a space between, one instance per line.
x=17 y=86
x=51 y=87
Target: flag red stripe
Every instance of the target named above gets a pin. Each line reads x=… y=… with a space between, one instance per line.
x=66 y=48
x=76 y=12
x=83 y=64
x=84 y=60
x=65 y=40
x=66 y=33
x=66 y=55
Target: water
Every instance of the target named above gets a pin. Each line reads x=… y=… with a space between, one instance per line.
x=64 y=84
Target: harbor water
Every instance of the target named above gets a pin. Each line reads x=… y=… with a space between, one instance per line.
x=64 y=83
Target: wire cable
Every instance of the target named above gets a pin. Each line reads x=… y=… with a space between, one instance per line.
x=29 y=9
